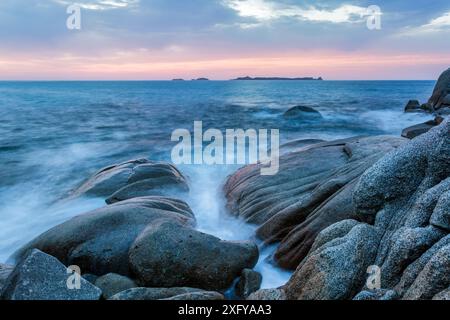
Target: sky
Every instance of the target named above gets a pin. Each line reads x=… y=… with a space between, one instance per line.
x=224 y=39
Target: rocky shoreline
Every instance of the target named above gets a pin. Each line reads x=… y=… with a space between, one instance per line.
x=336 y=210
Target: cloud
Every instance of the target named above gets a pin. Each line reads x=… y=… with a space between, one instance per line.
x=100 y=4
x=439 y=23
x=435 y=25
x=263 y=10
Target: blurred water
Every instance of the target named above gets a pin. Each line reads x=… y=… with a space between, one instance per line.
x=53 y=135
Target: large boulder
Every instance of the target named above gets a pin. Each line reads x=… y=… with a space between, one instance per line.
x=302 y=113
x=403 y=195
x=134 y=178
x=400 y=194
x=168 y=255
x=151 y=240
x=99 y=241
x=401 y=239
x=39 y=276
x=312 y=190
x=441 y=91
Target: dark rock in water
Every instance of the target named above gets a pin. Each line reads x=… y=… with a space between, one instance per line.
x=169 y=255
x=268 y=294
x=249 y=282
x=134 y=178
x=152 y=293
x=419 y=129
x=5 y=271
x=312 y=190
x=113 y=283
x=441 y=91
x=39 y=276
x=99 y=241
x=204 y=295
x=302 y=113
x=413 y=106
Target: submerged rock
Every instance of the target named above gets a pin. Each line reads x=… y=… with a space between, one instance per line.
x=134 y=178
x=413 y=106
x=312 y=190
x=39 y=276
x=302 y=113
x=168 y=255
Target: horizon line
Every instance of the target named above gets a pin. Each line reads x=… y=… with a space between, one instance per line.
x=195 y=80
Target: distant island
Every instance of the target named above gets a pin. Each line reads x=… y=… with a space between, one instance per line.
x=200 y=79
x=177 y=79
x=277 y=78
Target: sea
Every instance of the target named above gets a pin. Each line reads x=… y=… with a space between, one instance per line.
x=54 y=135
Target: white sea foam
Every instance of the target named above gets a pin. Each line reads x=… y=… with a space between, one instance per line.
x=394 y=121
x=208 y=203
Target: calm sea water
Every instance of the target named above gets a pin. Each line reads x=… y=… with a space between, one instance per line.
x=53 y=135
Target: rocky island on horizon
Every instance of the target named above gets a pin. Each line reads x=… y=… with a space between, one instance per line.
x=277 y=78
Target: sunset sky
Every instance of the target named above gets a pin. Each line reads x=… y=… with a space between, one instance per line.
x=223 y=39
